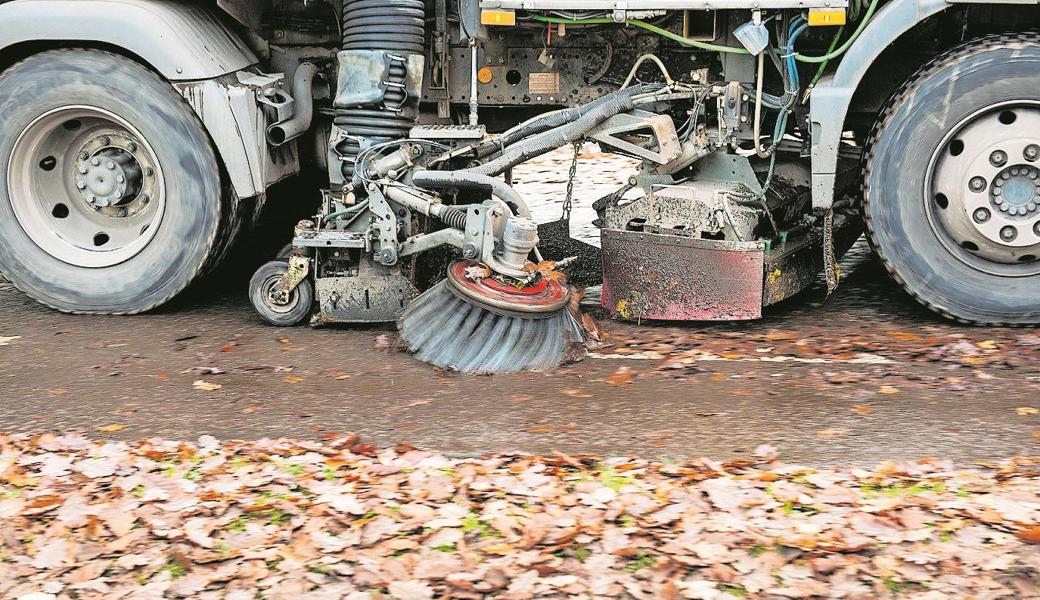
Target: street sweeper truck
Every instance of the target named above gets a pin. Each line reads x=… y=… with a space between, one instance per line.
x=138 y=140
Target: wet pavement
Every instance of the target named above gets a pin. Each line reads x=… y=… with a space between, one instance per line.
x=864 y=376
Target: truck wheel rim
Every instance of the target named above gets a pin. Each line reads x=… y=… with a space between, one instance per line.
x=983 y=189
x=86 y=186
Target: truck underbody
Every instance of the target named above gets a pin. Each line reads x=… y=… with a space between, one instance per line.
x=770 y=134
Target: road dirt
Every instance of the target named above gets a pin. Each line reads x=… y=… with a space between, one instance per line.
x=864 y=376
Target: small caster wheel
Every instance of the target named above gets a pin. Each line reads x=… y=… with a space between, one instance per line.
x=300 y=302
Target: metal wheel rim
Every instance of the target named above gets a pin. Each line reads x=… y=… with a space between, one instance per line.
x=963 y=174
x=86 y=186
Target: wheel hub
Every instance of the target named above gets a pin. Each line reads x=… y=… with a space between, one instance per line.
x=85 y=186
x=541 y=299
x=985 y=186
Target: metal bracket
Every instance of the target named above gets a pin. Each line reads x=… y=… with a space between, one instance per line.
x=299 y=267
x=385 y=226
x=665 y=138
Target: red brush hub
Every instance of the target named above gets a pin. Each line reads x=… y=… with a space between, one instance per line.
x=542 y=298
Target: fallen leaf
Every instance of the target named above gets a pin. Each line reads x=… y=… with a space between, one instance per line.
x=573 y=393
x=477 y=272
x=205 y=386
x=6 y=341
x=828 y=434
x=163 y=377
x=229 y=347
x=888 y=389
x=862 y=409
x=988 y=345
x=111 y=428
x=623 y=376
x=250 y=409
x=1030 y=534
x=58 y=392
x=1026 y=410
x=292 y=379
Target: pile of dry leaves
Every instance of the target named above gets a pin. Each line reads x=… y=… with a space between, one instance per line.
x=337 y=519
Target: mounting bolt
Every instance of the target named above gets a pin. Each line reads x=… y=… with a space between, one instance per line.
x=131 y=147
x=977 y=184
x=148 y=171
x=105 y=140
x=1036 y=228
x=1032 y=152
x=981 y=215
x=1008 y=233
x=469 y=251
x=145 y=198
x=998 y=158
x=83 y=155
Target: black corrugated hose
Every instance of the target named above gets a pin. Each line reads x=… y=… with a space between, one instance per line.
x=396 y=26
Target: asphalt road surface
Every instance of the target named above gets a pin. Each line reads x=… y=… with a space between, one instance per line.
x=864 y=376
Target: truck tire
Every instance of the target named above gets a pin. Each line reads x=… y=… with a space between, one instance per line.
x=951 y=183
x=110 y=191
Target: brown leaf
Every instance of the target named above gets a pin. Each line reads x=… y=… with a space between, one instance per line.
x=623 y=376
x=1026 y=410
x=163 y=377
x=862 y=409
x=205 y=386
x=573 y=393
x=827 y=434
x=58 y=392
x=250 y=409
x=292 y=379
x=229 y=347
x=1029 y=534
x=888 y=389
x=477 y=272
x=111 y=428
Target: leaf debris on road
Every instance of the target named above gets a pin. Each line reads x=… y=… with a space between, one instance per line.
x=86 y=518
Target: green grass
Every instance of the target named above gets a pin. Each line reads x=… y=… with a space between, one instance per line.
x=641 y=561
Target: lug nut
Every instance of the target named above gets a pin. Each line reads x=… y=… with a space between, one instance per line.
x=105 y=140
x=121 y=179
x=81 y=185
x=110 y=165
x=977 y=184
x=82 y=169
x=981 y=215
x=83 y=156
x=1008 y=233
x=1032 y=152
x=95 y=161
x=1036 y=228
x=998 y=158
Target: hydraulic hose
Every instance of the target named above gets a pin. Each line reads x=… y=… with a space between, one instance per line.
x=558 y=137
x=548 y=121
x=473 y=181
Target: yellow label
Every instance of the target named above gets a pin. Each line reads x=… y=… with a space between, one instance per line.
x=822 y=17
x=498 y=17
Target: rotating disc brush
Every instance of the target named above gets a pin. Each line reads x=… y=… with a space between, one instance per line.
x=486 y=326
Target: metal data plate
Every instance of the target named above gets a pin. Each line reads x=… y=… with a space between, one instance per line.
x=666 y=277
x=643 y=5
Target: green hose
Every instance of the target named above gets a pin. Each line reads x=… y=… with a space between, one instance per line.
x=855 y=7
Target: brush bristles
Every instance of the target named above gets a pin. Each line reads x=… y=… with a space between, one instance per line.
x=447 y=331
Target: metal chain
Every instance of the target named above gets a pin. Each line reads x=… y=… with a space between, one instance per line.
x=569 y=198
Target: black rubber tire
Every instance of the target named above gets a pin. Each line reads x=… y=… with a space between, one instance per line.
x=182 y=246
x=981 y=73
x=302 y=296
